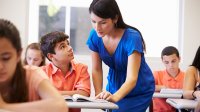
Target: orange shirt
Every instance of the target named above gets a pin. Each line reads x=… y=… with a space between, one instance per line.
x=163 y=78
x=76 y=79
x=34 y=76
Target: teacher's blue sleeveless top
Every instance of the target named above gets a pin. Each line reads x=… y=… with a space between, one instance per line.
x=140 y=97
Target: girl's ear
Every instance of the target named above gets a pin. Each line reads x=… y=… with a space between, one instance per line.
x=50 y=56
x=116 y=19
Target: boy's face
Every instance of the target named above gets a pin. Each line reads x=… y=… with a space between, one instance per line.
x=63 y=53
x=171 y=63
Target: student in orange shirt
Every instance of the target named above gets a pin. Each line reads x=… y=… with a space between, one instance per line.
x=171 y=77
x=23 y=89
x=68 y=76
x=33 y=55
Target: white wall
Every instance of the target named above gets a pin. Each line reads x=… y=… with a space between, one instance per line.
x=17 y=12
x=191 y=30
x=190 y=33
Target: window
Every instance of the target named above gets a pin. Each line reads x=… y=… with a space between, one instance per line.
x=51 y=22
x=158 y=20
x=69 y=16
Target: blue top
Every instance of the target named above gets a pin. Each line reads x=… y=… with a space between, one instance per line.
x=139 y=98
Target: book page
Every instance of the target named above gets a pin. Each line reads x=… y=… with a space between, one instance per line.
x=171 y=91
x=68 y=98
x=78 y=97
x=166 y=95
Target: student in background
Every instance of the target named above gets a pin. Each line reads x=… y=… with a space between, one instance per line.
x=120 y=46
x=23 y=89
x=33 y=55
x=170 y=77
x=68 y=76
x=192 y=79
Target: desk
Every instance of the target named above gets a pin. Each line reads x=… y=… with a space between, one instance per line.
x=182 y=103
x=92 y=105
x=166 y=95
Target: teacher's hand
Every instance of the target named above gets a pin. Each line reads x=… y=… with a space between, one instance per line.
x=107 y=96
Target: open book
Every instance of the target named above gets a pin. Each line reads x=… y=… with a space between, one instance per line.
x=171 y=91
x=81 y=98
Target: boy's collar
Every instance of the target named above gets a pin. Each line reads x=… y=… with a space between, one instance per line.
x=55 y=68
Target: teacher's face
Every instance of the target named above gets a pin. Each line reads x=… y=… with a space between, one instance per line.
x=102 y=26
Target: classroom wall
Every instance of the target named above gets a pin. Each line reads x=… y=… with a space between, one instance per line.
x=191 y=31
x=190 y=40
x=17 y=12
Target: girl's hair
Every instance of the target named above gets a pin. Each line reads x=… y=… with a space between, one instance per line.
x=35 y=46
x=196 y=61
x=109 y=9
x=19 y=89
